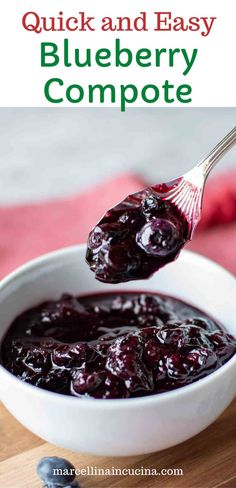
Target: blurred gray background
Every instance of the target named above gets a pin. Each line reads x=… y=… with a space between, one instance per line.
x=46 y=153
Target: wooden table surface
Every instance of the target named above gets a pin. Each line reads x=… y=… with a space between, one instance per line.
x=207 y=460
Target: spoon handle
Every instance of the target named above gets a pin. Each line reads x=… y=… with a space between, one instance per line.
x=208 y=163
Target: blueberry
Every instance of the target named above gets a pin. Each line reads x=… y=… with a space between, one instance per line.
x=57 y=472
x=151 y=204
x=96 y=238
x=71 y=355
x=84 y=382
x=159 y=238
x=55 y=380
x=124 y=360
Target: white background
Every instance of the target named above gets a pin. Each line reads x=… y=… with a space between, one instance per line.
x=212 y=77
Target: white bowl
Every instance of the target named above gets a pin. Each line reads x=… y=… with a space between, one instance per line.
x=125 y=426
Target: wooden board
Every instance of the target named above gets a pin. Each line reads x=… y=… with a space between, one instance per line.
x=207 y=460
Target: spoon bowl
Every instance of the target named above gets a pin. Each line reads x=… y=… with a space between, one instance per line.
x=148 y=229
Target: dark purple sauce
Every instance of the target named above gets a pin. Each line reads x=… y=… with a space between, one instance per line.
x=114 y=346
x=137 y=237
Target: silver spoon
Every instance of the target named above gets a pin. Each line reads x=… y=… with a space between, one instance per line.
x=186 y=192
x=148 y=229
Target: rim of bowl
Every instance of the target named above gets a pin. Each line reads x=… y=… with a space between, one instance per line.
x=116 y=402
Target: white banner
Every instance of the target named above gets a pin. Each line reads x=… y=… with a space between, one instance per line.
x=125 y=54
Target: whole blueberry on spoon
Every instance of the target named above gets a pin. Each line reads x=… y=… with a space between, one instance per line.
x=57 y=472
x=148 y=229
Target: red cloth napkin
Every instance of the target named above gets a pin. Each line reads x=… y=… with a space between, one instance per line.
x=27 y=231
x=216 y=233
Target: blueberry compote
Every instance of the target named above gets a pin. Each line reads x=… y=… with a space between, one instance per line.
x=136 y=238
x=114 y=346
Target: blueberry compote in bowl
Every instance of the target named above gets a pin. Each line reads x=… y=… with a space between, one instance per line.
x=141 y=372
